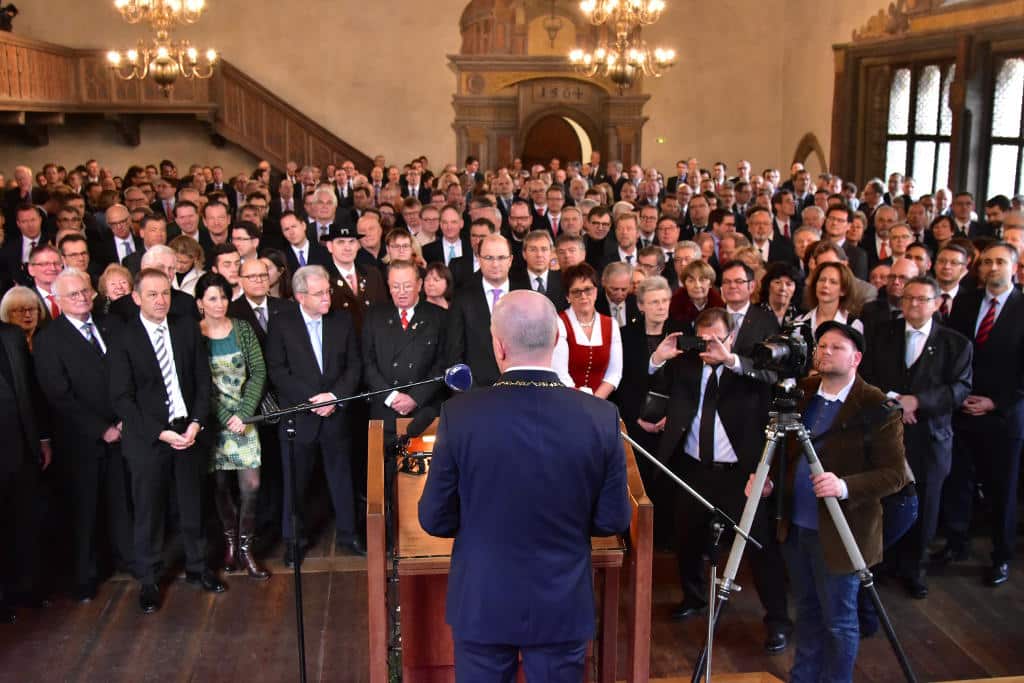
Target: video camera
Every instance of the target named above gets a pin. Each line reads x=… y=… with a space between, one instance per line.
x=786 y=353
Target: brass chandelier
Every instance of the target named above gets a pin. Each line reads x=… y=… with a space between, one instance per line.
x=161 y=58
x=624 y=56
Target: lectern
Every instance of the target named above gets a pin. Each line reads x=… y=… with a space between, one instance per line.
x=419 y=564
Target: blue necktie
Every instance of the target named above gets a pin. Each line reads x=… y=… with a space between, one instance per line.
x=316 y=338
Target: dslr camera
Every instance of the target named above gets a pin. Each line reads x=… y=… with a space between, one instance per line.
x=786 y=353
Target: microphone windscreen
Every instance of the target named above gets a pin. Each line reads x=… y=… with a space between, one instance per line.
x=458 y=377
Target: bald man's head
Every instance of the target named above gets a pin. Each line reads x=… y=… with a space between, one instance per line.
x=524 y=328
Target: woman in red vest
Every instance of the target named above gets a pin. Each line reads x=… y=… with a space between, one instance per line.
x=589 y=349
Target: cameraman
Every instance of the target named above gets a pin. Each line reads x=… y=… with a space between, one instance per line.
x=838 y=410
x=713 y=440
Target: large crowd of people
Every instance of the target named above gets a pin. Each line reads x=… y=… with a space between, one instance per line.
x=148 y=315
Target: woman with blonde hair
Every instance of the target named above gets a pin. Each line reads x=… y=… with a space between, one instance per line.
x=22 y=307
x=190 y=259
x=115 y=282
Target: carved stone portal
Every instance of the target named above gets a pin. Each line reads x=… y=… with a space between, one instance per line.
x=511 y=75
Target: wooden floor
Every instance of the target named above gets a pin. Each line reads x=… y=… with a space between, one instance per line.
x=964 y=630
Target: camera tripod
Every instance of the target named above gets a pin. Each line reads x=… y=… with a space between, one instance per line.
x=785 y=419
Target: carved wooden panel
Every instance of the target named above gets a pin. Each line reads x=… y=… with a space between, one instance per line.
x=251 y=119
x=297 y=146
x=320 y=153
x=95 y=78
x=8 y=71
x=274 y=122
x=231 y=107
x=874 y=122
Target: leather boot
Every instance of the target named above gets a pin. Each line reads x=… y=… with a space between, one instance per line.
x=247 y=528
x=230 y=549
x=248 y=561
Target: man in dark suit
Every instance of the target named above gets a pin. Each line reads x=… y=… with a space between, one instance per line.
x=772 y=247
x=25 y=453
x=313 y=356
x=301 y=250
x=412 y=187
x=835 y=408
x=712 y=440
x=614 y=298
x=162 y=258
x=20 y=243
x=989 y=428
x=469 y=337
x=927 y=368
x=153 y=231
x=404 y=342
x=875 y=241
x=355 y=287
x=163 y=205
x=465 y=267
x=537 y=252
x=837 y=223
x=495 y=488
x=71 y=363
x=120 y=242
x=889 y=304
x=452 y=243
x=752 y=323
x=963 y=207
x=160 y=385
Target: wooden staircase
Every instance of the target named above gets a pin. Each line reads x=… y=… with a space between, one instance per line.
x=41 y=84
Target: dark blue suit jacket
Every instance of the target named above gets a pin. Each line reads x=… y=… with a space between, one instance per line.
x=522 y=495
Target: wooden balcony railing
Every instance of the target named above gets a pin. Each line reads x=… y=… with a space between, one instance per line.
x=41 y=83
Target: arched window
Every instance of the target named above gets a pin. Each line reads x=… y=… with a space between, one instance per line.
x=1006 y=160
x=920 y=124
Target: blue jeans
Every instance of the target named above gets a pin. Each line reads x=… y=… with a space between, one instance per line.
x=827 y=634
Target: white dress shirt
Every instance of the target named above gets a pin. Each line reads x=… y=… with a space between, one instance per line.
x=488 y=287
x=177 y=408
x=80 y=326
x=724 y=452
x=560 y=357
x=987 y=302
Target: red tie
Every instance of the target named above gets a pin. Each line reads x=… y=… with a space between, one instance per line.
x=54 y=311
x=944 y=309
x=351 y=277
x=554 y=225
x=167 y=208
x=785 y=230
x=986 y=325
x=405 y=319
x=883 y=253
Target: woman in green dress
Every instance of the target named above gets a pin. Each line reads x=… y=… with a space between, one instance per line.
x=239 y=378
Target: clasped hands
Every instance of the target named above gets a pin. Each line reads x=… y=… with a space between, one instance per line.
x=180 y=442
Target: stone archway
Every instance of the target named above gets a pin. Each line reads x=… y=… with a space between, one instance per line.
x=510 y=75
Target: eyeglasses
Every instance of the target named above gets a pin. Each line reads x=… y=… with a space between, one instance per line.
x=256 y=277
x=949 y=262
x=126 y=221
x=730 y=283
x=917 y=300
x=326 y=294
x=82 y=294
x=24 y=310
x=47 y=264
x=495 y=259
x=582 y=292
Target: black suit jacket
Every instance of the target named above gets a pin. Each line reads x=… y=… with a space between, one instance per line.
x=10 y=254
x=393 y=356
x=435 y=251
x=137 y=385
x=73 y=376
x=603 y=306
x=742 y=408
x=999 y=363
x=781 y=250
x=554 y=291
x=295 y=375
x=28 y=420
x=940 y=379
x=857 y=259
x=106 y=251
x=469 y=331
x=372 y=291
x=758 y=324
x=241 y=310
x=316 y=255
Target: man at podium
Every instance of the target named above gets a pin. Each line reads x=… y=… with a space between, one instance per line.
x=523 y=474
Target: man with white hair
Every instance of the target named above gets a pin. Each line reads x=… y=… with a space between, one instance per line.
x=508 y=480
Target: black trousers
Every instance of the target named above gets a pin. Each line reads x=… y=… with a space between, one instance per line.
x=930 y=470
x=271 y=494
x=155 y=473
x=100 y=490
x=20 y=519
x=724 y=488
x=333 y=445
x=983 y=451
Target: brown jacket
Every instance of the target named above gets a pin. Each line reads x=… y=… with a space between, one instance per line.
x=869 y=476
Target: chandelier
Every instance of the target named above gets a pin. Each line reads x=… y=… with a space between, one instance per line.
x=162 y=58
x=626 y=56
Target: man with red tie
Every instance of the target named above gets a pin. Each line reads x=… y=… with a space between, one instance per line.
x=989 y=427
x=44 y=265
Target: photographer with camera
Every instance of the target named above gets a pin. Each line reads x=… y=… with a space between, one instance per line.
x=712 y=439
x=860 y=443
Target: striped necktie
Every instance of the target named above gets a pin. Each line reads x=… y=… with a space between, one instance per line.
x=164 y=359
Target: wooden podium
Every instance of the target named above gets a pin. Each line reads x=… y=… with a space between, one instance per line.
x=422 y=563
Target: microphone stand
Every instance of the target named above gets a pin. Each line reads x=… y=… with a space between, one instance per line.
x=289 y=415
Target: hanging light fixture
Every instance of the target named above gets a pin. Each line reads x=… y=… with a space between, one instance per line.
x=162 y=58
x=626 y=56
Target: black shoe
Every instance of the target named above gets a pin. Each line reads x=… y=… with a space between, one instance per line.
x=685 y=610
x=948 y=554
x=998 y=574
x=84 y=592
x=777 y=641
x=149 y=598
x=917 y=586
x=206 y=580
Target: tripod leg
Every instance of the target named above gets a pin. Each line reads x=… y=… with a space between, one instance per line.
x=856 y=558
x=727 y=583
